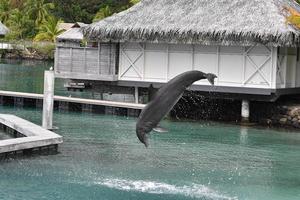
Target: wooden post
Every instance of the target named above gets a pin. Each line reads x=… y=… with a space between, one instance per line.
x=48 y=100
x=136 y=94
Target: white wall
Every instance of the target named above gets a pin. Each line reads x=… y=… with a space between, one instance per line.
x=234 y=66
x=288 y=68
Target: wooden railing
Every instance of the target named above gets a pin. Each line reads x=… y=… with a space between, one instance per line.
x=86 y=62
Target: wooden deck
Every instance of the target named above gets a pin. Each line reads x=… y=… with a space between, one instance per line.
x=75 y=100
x=35 y=136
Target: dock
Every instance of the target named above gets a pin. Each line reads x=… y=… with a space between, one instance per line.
x=34 y=136
x=74 y=100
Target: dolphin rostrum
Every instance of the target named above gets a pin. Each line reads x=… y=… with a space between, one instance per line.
x=164 y=100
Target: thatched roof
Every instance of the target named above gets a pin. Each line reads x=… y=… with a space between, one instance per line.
x=73 y=34
x=225 y=22
x=3 y=29
x=65 y=26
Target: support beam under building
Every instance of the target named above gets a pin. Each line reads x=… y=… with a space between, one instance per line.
x=136 y=94
x=245 y=111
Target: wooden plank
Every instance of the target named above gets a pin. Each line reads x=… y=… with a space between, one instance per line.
x=74 y=100
x=87 y=76
x=101 y=102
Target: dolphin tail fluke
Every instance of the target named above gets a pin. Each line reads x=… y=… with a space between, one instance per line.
x=211 y=78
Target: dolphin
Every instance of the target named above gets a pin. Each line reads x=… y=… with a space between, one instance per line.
x=164 y=100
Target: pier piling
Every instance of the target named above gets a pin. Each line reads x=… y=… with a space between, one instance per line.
x=48 y=100
x=245 y=111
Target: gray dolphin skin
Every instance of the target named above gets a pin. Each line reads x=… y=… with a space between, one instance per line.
x=164 y=100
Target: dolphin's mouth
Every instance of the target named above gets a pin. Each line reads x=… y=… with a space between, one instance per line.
x=211 y=78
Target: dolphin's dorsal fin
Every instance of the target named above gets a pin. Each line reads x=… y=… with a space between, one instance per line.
x=160 y=129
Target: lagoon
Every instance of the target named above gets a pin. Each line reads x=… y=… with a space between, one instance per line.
x=101 y=157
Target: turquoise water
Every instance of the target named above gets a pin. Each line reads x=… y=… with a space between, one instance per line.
x=22 y=76
x=101 y=158
x=28 y=76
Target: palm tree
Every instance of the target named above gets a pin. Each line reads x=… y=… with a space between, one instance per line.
x=38 y=10
x=48 y=30
x=20 y=25
x=4 y=10
x=110 y=10
x=103 y=13
x=17 y=4
x=293 y=17
x=132 y=2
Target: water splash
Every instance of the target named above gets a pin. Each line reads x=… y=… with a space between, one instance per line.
x=193 y=190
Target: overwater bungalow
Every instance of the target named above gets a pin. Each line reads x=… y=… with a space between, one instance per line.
x=72 y=37
x=248 y=44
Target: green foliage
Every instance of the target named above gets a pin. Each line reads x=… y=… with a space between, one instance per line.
x=17 y=4
x=134 y=1
x=37 y=19
x=87 y=10
x=110 y=9
x=48 y=30
x=4 y=10
x=21 y=26
x=293 y=17
x=44 y=49
x=38 y=10
x=103 y=13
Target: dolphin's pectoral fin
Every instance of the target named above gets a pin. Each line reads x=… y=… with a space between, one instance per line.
x=160 y=129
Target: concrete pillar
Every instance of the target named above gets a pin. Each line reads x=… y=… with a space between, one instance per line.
x=48 y=100
x=245 y=111
x=136 y=94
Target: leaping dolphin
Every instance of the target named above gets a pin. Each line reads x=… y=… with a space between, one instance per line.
x=164 y=100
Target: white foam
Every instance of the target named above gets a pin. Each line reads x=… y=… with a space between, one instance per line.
x=194 y=190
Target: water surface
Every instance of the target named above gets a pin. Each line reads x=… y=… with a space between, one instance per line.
x=101 y=158
x=28 y=76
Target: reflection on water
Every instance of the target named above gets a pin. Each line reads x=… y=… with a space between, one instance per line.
x=244 y=135
x=101 y=158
